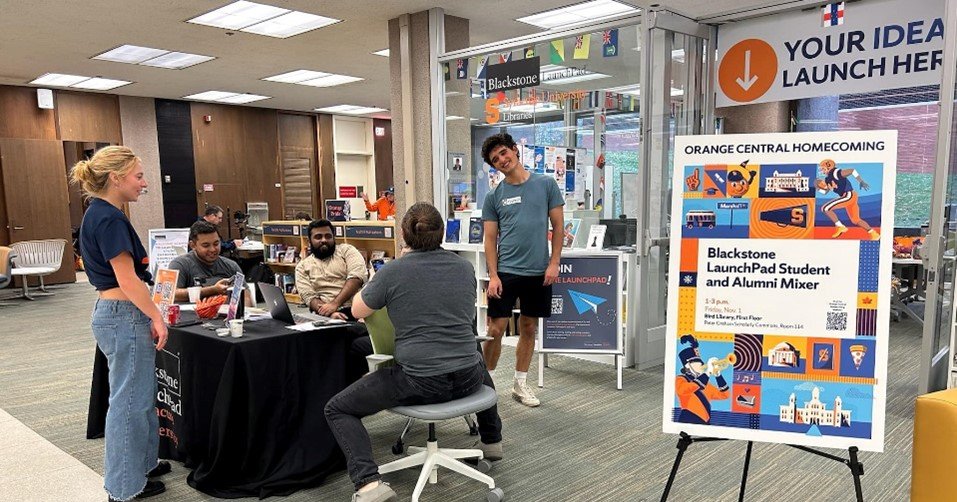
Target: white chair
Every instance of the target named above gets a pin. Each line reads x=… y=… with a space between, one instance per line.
x=432 y=457
x=39 y=258
x=382 y=333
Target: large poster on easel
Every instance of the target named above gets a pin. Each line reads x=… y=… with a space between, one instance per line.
x=779 y=287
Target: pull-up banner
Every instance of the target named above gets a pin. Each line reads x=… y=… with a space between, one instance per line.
x=779 y=289
x=839 y=48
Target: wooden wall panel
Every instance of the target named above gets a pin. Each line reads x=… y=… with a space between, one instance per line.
x=21 y=118
x=86 y=116
x=39 y=214
x=383 y=154
x=327 y=160
x=297 y=162
x=238 y=150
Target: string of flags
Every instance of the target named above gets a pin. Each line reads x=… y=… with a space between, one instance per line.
x=581 y=45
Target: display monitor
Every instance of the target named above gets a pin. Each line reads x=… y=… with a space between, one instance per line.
x=620 y=232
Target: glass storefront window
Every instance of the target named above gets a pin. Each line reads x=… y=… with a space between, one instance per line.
x=579 y=125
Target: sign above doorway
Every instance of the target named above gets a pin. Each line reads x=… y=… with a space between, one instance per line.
x=876 y=45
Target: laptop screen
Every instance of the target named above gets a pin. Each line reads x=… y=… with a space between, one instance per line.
x=276 y=302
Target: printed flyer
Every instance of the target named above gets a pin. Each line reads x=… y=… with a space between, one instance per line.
x=779 y=287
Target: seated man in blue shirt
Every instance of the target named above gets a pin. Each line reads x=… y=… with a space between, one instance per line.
x=430 y=294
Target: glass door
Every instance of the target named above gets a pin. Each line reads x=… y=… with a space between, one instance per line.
x=938 y=364
x=676 y=77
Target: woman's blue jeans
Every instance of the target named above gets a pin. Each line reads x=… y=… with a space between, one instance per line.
x=122 y=332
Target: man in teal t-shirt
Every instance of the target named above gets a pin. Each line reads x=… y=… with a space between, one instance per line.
x=519 y=265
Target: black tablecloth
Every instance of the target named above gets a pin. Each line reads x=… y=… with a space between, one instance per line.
x=247 y=413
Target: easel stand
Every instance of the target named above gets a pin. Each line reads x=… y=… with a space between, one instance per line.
x=685 y=440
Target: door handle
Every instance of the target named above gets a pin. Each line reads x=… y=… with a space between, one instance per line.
x=17 y=227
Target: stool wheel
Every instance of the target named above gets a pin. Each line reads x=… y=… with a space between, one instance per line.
x=496 y=495
x=398 y=448
x=484 y=466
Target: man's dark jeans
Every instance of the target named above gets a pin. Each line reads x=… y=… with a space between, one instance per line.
x=389 y=387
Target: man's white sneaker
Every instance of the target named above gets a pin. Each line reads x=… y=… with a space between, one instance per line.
x=524 y=395
x=381 y=493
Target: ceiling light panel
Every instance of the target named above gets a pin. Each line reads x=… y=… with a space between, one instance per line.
x=351 y=109
x=296 y=76
x=383 y=53
x=291 y=24
x=177 y=60
x=100 y=84
x=238 y=15
x=132 y=54
x=58 y=79
x=313 y=78
x=330 y=81
x=578 y=13
x=261 y=19
x=239 y=99
x=211 y=95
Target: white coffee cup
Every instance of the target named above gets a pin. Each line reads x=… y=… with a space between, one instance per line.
x=194 y=293
x=236 y=328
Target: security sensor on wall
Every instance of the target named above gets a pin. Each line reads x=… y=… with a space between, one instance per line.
x=45 y=99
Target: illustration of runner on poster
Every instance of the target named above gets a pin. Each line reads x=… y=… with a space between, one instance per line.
x=779 y=287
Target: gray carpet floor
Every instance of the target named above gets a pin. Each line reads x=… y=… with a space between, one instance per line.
x=587 y=442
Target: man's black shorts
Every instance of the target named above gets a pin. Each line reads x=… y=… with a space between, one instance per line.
x=534 y=297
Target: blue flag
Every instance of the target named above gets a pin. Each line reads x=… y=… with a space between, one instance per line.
x=609 y=43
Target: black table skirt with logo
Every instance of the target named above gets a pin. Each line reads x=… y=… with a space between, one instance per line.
x=246 y=414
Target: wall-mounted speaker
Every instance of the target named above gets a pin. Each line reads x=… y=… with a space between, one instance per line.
x=45 y=99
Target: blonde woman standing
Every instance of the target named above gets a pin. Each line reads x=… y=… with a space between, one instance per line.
x=125 y=321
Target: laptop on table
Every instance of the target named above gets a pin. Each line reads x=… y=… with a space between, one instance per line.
x=279 y=308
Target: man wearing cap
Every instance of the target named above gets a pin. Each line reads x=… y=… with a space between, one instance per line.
x=691 y=386
x=385 y=206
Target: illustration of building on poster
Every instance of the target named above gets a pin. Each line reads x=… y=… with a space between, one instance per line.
x=779 y=287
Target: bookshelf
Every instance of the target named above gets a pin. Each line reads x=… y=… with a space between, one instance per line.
x=368 y=236
x=355 y=158
x=278 y=238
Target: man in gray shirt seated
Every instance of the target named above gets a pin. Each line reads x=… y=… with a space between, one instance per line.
x=430 y=294
x=203 y=266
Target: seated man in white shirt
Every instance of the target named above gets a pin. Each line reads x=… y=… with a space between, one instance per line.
x=328 y=278
x=331 y=274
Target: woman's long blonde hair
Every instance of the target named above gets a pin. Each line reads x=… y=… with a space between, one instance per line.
x=93 y=175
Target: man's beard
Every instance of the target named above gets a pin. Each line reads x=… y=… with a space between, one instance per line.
x=324 y=251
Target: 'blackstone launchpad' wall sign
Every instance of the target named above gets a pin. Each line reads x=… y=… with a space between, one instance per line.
x=513 y=75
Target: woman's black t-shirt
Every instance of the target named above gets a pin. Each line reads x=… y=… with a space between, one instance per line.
x=104 y=234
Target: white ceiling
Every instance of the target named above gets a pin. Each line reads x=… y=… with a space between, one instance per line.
x=40 y=36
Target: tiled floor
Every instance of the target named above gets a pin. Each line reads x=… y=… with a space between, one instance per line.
x=33 y=469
